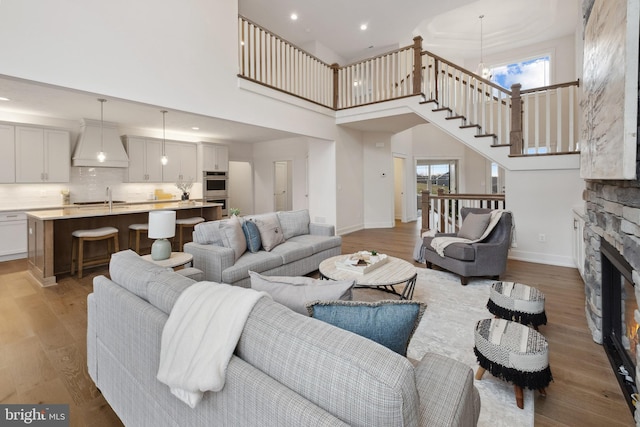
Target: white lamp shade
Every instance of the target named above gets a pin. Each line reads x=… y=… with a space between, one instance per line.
x=162 y=224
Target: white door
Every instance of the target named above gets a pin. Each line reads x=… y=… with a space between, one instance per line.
x=398 y=185
x=281 y=193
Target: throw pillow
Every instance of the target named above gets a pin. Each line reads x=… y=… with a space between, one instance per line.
x=474 y=225
x=252 y=236
x=270 y=230
x=207 y=233
x=296 y=292
x=294 y=223
x=390 y=323
x=233 y=237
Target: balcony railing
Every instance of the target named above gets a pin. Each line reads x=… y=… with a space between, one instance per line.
x=442 y=211
x=532 y=122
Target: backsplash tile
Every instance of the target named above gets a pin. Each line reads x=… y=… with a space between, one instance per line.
x=86 y=184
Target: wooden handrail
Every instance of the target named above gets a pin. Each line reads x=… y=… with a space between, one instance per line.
x=550 y=87
x=464 y=70
x=445 y=216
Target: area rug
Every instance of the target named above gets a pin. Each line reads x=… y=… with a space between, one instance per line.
x=447 y=328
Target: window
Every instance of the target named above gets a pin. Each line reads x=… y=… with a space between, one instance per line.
x=530 y=73
x=432 y=175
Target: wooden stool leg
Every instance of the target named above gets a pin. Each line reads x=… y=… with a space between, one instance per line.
x=116 y=243
x=543 y=392
x=80 y=256
x=519 y=396
x=138 y=241
x=180 y=242
x=74 y=250
x=480 y=373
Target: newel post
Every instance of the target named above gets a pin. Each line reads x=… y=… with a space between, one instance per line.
x=426 y=211
x=417 y=65
x=515 y=137
x=335 y=67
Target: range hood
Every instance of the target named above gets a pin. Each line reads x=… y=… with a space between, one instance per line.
x=89 y=145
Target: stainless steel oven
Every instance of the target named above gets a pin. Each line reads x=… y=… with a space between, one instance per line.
x=224 y=207
x=215 y=185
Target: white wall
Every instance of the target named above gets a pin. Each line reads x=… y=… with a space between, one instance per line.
x=264 y=155
x=167 y=55
x=322 y=181
x=541 y=203
x=378 y=180
x=349 y=180
x=241 y=187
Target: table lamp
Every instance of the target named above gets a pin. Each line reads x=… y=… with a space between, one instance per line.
x=162 y=225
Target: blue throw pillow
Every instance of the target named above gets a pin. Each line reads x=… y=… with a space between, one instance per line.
x=390 y=323
x=252 y=235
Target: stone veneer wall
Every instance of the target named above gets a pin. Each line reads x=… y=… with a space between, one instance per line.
x=612 y=213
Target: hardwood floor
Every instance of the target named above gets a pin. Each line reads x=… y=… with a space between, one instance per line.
x=43 y=341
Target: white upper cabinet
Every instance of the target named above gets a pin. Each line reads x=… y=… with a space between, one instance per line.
x=144 y=159
x=215 y=157
x=7 y=154
x=42 y=155
x=182 y=161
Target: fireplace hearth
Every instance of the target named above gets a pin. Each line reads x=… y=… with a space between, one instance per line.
x=619 y=323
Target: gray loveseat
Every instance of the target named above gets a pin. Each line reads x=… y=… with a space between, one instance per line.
x=287 y=370
x=305 y=246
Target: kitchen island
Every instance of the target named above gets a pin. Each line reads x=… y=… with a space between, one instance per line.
x=49 y=231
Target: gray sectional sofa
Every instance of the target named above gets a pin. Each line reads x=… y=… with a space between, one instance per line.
x=304 y=247
x=287 y=369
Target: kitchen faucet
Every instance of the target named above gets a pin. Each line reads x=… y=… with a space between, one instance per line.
x=109 y=199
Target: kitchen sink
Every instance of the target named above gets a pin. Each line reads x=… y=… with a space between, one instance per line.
x=101 y=202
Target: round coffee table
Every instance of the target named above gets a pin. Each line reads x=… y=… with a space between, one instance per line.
x=394 y=272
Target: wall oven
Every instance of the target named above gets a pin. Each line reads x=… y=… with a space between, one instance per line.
x=224 y=207
x=215 y=187
x=215 y=184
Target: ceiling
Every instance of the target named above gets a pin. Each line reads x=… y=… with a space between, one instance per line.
x=449 y=28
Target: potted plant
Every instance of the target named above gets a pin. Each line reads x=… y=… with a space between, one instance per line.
x=185 y=186
x=234 y=211
x=374 y=256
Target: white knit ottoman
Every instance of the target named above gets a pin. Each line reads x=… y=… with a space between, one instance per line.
x=518 y=302
x=514 y=353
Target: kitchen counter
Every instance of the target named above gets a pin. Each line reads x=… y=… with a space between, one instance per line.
x=86 y=211
x=49 y=230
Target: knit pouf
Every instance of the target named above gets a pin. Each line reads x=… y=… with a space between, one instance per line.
x=514 y=353
x=518 y=302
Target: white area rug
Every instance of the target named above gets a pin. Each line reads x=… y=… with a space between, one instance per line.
x=447 y=328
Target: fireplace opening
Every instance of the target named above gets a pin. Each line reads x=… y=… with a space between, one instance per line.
x=619 y=325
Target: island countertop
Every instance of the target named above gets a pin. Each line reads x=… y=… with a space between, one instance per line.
x=87 y=211
x=49 y=231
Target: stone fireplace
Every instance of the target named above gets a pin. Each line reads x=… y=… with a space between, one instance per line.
x=612 y=230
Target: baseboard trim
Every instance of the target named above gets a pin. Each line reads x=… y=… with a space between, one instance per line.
x=542 y=258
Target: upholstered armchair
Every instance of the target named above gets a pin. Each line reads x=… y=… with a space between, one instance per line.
x=487 y=257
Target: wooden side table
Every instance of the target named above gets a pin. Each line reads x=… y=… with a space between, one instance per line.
x=176 y=259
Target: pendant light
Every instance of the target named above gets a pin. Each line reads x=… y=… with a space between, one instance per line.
x=101 y=155
x=163 y=159
x=482 y=69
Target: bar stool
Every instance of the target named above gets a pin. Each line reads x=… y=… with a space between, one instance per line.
x=135 y=231
x=186 y=223
x=77 y=247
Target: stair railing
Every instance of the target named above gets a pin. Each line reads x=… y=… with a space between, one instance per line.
x=442 y=211
x=532 y=122
x=477 y=102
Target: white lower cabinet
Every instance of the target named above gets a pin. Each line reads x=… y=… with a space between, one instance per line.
x=13 y=229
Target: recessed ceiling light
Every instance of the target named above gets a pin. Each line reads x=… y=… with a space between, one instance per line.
x=195 y=128
x=294 y=16
x=363 y=27
x=2 y=98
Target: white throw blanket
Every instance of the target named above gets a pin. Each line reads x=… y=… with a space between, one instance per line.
x=440 y=243
x=200 y=336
